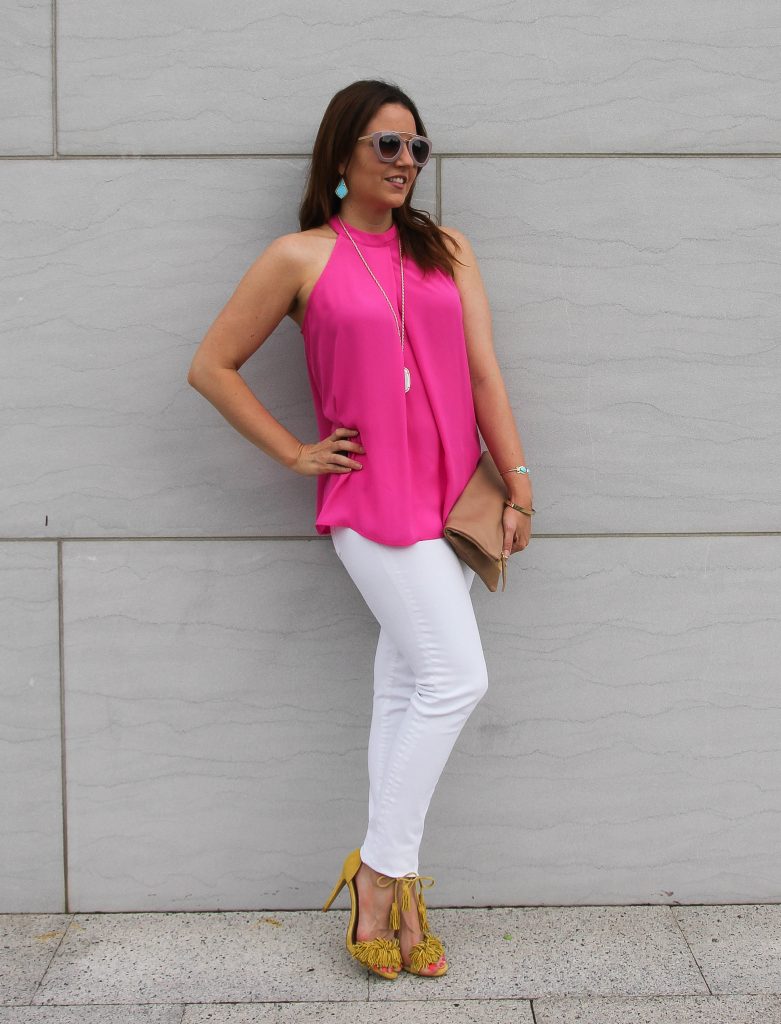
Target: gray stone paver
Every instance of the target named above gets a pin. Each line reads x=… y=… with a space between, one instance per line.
x=552 y=965
x=738 y=947
x=27 y=944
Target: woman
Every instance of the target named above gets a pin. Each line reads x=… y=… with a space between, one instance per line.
x=397 y=334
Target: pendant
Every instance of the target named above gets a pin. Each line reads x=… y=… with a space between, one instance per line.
x=406 y=379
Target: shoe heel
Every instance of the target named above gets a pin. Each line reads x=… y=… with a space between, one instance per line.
x=349 y=870
x=337 y=889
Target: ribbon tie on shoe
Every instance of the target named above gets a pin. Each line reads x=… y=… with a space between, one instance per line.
x=408 y=882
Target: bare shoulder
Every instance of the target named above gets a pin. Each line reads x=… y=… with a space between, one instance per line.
x=462 y=247
x=306 y=252
x=454 y=233
x=465 y=264
x=301 y=245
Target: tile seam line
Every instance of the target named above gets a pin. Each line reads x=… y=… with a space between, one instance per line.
x=324 y=539
x=438 y=188
x=316 y=909
x=63 y=744
x=41 y=981
x=55 y=103
x=520 y=155
x=693 y=955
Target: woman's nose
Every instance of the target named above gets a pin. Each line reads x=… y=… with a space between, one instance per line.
x=405 y=156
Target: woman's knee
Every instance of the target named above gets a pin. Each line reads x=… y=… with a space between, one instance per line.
x=458 y=684
x=479 y=678
x=469 y=665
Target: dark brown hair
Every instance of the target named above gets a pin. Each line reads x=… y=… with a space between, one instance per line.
x=344 y=120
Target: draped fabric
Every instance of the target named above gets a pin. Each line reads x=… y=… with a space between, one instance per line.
x=422 y=446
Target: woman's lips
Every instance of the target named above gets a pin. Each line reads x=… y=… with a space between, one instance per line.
x=397 y=184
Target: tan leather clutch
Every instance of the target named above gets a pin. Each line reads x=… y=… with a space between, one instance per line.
x=474 y=526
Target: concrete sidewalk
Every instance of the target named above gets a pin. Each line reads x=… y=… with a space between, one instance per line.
x=526 y=965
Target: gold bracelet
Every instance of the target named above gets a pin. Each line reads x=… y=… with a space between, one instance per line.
x=516 y=469
x=518 y=508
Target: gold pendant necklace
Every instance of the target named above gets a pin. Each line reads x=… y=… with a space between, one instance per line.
x=399 y=329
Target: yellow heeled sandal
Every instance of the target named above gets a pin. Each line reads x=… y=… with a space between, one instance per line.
x=381 y=956
x=430 y=950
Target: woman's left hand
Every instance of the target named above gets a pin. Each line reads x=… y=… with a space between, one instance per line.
x=517 y=530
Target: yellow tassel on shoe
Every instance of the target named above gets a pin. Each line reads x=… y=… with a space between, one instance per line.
x=382 y=952
x=430 y=949
x=424 y=953
x=422 y=914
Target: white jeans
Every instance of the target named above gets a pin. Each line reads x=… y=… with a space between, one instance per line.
x=429 y=673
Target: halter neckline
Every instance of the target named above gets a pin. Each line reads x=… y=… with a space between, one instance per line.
x=365 y=237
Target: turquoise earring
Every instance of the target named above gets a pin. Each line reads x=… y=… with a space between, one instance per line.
x=341 y=189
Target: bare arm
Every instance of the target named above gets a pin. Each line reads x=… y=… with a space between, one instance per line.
x=262 y=298
x=265 y=294
x=492 y=405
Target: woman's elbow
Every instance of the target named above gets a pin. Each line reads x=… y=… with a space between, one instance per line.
x=195 y=374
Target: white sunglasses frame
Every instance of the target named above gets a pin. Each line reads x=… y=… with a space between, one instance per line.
x=375 y=140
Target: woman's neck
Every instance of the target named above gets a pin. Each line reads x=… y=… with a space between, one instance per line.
x=373 y=223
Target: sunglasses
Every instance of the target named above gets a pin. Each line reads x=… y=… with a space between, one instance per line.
x=387 y=146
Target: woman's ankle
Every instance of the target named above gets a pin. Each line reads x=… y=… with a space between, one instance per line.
x=374 y=900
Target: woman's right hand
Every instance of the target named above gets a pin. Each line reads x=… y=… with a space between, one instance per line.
x=325 y=456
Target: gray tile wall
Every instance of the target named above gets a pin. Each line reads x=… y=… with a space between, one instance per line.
x=186 y=667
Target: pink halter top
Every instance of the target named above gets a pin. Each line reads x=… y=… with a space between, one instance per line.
x=422 y=445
